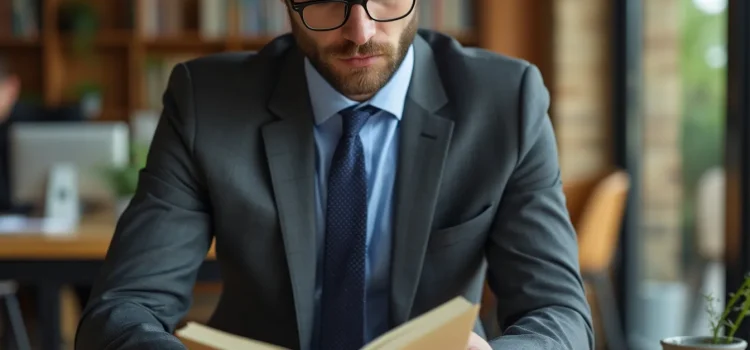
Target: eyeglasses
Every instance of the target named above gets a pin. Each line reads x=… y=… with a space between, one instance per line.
x=322 y=15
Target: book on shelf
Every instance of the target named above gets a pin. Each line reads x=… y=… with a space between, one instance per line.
x=262 y=18
x=446 y=327
x=160 y=18
x=19 y=18
x=450 y=16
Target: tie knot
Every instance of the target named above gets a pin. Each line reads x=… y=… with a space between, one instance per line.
x=354 y=119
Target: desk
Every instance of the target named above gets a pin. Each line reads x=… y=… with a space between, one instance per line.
x=48 y=262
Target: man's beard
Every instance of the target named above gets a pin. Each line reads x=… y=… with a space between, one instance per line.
x=356 y=82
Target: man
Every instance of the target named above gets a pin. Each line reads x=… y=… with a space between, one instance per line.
x=354 y=174
x=10 y=87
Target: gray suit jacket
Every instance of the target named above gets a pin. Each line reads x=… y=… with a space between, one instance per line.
x=478 y=196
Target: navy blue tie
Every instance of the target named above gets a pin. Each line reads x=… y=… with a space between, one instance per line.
x=343 y=305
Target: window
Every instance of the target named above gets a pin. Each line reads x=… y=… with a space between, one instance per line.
x=681 y=204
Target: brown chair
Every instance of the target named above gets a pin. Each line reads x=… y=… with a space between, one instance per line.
x=596 y=206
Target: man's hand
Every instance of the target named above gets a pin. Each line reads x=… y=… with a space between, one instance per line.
x=477 y=343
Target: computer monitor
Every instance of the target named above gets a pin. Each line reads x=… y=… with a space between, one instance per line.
x=92 y=147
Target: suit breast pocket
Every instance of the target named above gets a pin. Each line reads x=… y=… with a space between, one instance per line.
x=467 y=230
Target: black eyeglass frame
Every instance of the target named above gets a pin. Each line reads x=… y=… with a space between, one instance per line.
x=299 y=8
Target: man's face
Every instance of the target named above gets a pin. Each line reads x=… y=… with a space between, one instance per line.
x=360 y=57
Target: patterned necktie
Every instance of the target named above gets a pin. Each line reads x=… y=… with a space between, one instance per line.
x=343 y=304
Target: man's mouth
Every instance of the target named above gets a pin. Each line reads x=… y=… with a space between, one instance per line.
x=360 y=61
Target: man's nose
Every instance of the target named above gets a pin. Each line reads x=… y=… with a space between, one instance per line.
x=360 y=27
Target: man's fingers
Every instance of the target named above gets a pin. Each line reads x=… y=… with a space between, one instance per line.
x=477 y=343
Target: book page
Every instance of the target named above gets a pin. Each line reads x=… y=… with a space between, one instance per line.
x=196 y=336
x=445 y=327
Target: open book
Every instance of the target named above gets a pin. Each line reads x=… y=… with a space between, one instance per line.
x=445 y=327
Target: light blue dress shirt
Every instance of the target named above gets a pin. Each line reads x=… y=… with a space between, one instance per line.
x=380 y=140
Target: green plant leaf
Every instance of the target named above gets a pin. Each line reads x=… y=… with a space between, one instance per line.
x=123 y=181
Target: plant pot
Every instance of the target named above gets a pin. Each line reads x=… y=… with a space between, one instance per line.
x=701 y=343
x=91 y=104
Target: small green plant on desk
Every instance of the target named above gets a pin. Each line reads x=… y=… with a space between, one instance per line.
x=123 y=181
x=738 y=301
x=730 y=319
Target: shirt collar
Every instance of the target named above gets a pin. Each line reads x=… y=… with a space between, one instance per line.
x=327 y=102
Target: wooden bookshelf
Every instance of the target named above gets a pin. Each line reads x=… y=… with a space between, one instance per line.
x=54 y=64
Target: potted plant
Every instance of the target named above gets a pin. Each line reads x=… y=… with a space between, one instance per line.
x=79 y=19
x=124 y=180
x=89 y=96
x=739 y=301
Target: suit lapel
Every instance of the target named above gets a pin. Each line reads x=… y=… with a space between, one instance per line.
x=424 y=142
x=290 y=147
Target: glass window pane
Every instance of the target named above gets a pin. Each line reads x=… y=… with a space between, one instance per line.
x=682 y=198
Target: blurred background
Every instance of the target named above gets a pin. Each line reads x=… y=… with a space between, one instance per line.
x=649 y=103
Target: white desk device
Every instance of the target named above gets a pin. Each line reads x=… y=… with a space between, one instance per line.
x=59 y=166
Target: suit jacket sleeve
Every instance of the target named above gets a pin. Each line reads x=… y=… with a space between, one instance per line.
x=532 y=251
x=145 y=286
